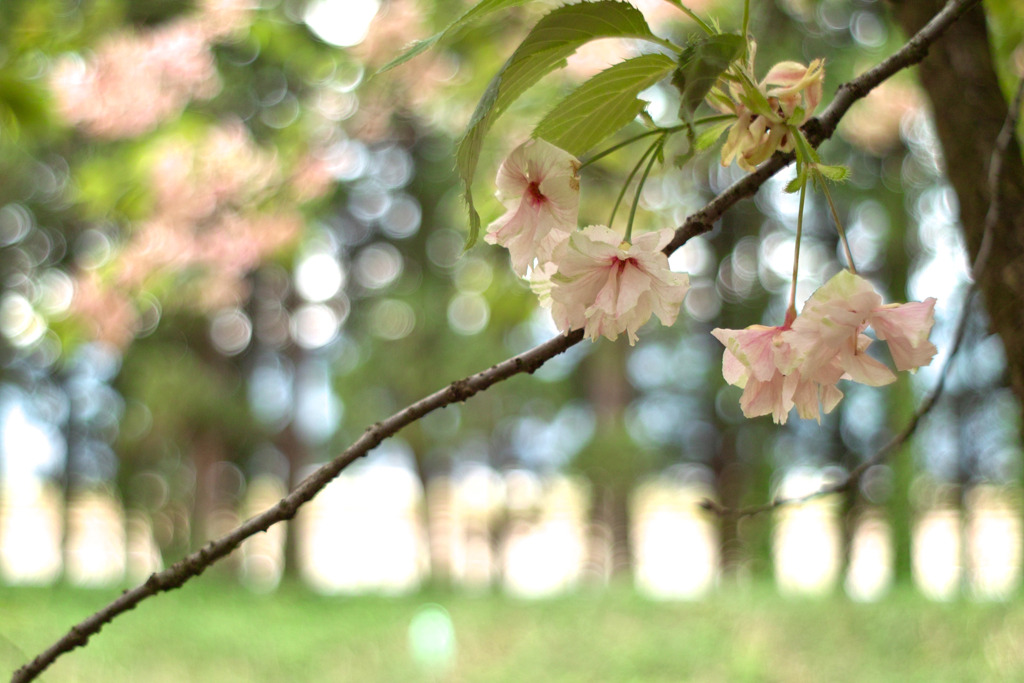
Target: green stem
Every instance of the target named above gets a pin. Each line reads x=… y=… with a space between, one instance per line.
x=624 y=143
x=746 y=23
x=839 y=224
x=791 y=310
x=625 y=185
x=693 y=15
x=640 y=187
x=668 y=44
x=805 y=154
x=654 y=131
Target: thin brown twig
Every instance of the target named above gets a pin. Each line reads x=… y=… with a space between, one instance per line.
x=816 y=130
x=991 y=220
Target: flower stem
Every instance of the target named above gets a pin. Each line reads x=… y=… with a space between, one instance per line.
x=791 y=309
x=839 y=224
x=746 y=23
x=653 y=131
x=640 y=186
x=624 y=143
x=625 y=185
x=693 y=15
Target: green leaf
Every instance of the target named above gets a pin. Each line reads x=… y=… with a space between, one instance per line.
x=602 y=105
x=754 y=98
x=477 y=12
x=836 y=174
x=710 y=135
x=700 y=65
x=796 y=183
x=556 y=36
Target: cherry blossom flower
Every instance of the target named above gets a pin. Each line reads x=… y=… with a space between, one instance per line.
x=798 y=91
x=608 y=286
x=757 y=360
x=840 y=310
x=765 y=116
x=540 y=189
x=799 y=363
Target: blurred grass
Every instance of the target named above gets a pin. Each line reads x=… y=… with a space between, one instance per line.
x=213 y=631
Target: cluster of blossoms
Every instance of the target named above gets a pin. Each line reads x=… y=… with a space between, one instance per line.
x=799 y=363
x=590 y=278
x=135 y=81
x=767 y=113
x=594 y=279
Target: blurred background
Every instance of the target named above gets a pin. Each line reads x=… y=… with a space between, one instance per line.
x=225 y=250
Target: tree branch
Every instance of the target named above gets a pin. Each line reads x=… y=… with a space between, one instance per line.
x=817 y=130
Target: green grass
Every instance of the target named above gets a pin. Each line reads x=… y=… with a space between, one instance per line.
x=212 y=631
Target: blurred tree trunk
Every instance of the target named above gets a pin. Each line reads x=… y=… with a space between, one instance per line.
x=297 y=455
x=966 y=473
x=899 y=507
x=614 y=472
x=438 y=557
x=729 y=482
x=72 y=444
x=901 y=405
x=851 y=506
x=207 y=451
x=969 y=110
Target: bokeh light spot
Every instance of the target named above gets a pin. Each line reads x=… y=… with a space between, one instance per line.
x=468 y=313
x=318 y=277
x=230 y=331
x=343 y=23
x=378 y=265
x=392 y=319
x=314 y=326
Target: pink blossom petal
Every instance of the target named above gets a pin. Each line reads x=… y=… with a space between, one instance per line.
x=734 y=372
x=539 y=187
x=830 y=397
x=761 y=398
x=754 y=347
x=864 y=369
x=805 y=396
x=786 y=73
x=608 y=286
x=905 y=327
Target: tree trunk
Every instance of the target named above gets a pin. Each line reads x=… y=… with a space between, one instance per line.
x=613 y=478
x=438 y=554
x=851 y=505
x=729 y=484
x=72 y=442
x=207 y=451
x=969 y=109
x=967 y=467
x=296 y=453
x=610 y=511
